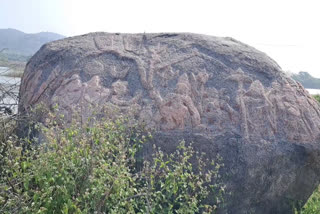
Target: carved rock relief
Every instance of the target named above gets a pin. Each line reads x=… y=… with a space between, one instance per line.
x=197 y=89
x=90 y=97
x=75 y=97
x=259 y=111
x=176 y=108
x=296 y=116
x=191 y=104
x=217 y=112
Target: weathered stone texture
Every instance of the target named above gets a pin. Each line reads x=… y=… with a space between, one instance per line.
x=221 y=90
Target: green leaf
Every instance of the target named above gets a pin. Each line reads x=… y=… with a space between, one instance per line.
x=24 y=165
x=26 y=185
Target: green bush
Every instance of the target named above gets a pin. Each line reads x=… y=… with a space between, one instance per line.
x=94 y=169
x=313 y=204
x=317 y=97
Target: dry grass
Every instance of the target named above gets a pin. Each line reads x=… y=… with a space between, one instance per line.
x=13 y=73
x=16 y=68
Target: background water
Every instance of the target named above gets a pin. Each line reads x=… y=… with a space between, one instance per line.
x=11 y=86
x=8 y=80
x=3 y=70
x=313 y=91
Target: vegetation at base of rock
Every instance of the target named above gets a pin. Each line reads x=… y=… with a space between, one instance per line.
x=94 y=169
x=317 y=97
x=313 y=204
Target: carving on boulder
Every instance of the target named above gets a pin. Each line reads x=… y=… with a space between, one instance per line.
x=211 y=107
x=73 y=96
x=94 y=67
x=121 y=96
x=217 y=112
x=177 y=108
x=198 y=88
x=298 y=121
x=89 y=97
x=275 y=98
x=240 y=78
x=265 y=126
x=260 y=111
x=179 y=98
x=166 y=74
x=119 y=74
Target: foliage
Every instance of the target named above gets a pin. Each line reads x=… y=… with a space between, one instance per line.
x=317 y=97
x=313 y=204
x=7 y=128
x=173 y=186
x=94 y=169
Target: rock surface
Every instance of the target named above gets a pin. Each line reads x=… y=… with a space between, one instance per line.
x=223 y=95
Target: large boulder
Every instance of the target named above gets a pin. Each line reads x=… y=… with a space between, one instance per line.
x=224 y=96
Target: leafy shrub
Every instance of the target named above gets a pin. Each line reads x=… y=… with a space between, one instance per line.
x=94 y=169
x=317 y=97
x=7 y=128
x=313 y=204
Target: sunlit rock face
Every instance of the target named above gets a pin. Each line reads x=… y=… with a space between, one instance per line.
x=221 y=94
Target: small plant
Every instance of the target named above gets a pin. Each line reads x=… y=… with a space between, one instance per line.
x=313 y=204
x=317 y=97
x=94 y=169
x=171 y=185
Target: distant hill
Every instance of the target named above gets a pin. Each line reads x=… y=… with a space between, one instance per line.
x=21 y=45
x=306 y=80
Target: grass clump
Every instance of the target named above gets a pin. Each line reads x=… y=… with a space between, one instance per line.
x=317 y=97
x=313 y=204
x=94 y=169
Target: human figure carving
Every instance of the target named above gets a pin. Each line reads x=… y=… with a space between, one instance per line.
x=240 y=78
x=197 y=88
x=217 y=112
x=261 y=121
x=94 y=92
x=211 y=108
x=178 y=107
x=167 y=74
x=296 y=124
x=84 y=97
x=121 y=96
x=224 y=101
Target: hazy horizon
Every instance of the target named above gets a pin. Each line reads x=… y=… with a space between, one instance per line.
x=286 y=31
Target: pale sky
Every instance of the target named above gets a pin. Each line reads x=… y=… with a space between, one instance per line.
x=287 y=30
